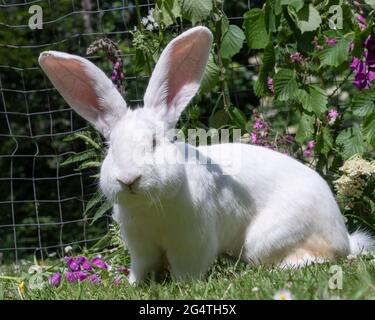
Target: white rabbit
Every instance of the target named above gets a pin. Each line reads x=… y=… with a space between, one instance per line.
x=274 y=210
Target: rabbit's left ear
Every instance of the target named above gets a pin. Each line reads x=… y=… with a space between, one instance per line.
x=178 y=73
x=85 y=88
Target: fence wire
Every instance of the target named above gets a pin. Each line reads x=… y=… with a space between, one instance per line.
x=41 y=211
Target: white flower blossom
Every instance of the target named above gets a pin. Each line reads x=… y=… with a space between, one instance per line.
x=283 y=295
x=145 y=21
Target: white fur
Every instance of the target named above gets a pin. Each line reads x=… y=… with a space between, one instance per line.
x=186 y=213
x=360 y=242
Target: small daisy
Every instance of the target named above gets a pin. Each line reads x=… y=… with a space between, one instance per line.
x=283 y=295
x=68 y=249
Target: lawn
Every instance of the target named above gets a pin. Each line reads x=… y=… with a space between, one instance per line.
x=226 y=280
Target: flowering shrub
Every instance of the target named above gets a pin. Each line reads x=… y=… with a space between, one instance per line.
x=356 y=190
x=313 y=89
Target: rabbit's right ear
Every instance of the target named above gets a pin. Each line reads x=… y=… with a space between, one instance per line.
x=85 y=88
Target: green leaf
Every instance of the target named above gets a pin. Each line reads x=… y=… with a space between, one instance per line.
x=210 y=76
x=103 y=209
x=305 y=128
x=318 y=100
x=335 y=55
x=303 y=97
x=308 y=18
x=218 y=119
x=167 y=11
x=269 y=17
x=231 y=42
x=324 y=141
x=255 y=29
x=369 y=129
x=371 y=3
x=94 y=200
x=314 y=99
x=285 y=84
x=351 y=142
x=90 y=154
x=196 y=10
x=363 y=102
x=296 y=4
x=238 y=117
x=89 y=164
x=85 y=136
x=268 y=64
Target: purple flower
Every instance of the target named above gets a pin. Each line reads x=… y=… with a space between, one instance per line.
x=258 y=124
x=72 y=263
x=123 y=270
x=81 y=276
x=253 y=137
x=99 y=263
x=311 y=144
x=307 y=153
x=296 y=57
x=316 y=44
x=55 y=279
x=117 y=280
x=362 y=22
x=270 y=84
x=94 y=278
x=331 y=41
x=70 y=276
x=84 y=263
x=332 y=115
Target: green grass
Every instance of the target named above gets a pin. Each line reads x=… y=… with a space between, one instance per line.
x=226 y=280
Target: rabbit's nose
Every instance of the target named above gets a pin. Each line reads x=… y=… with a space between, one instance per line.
x=129 y=183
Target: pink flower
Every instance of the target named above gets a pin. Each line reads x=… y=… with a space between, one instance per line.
x=270 y=84
x=331 y=41
x=311 y=144
x=84 y=263
x=123 y=270
x=307 y=153
x=362 y=22
x=296 y=57
x=99 y=263
x=80 y=275
x=316 y=44
x=94 y=278
x=72 y=263
x=55 y=279
x=117 y=281
x=332 y=115
x=70 y=276
x=253 y=137
x=258 y=124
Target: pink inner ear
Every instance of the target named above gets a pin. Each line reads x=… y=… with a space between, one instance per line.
x=73 y=82
x=186 y=66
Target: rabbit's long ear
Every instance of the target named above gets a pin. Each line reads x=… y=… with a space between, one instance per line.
x=178 y=73
x=85 y=88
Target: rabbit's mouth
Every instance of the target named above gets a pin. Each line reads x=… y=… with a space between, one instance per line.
x=129 y=185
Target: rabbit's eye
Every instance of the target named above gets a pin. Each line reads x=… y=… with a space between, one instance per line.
x=153 y=143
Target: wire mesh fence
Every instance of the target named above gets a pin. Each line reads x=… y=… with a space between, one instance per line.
x=42 y=203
